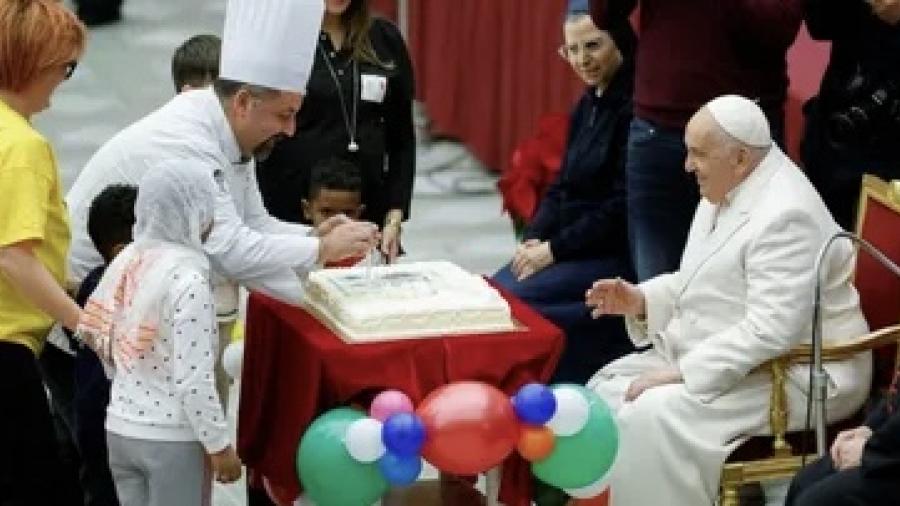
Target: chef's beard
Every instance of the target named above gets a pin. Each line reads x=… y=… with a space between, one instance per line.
x=262 y=152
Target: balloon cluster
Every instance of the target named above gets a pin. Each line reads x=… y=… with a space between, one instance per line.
x=569 y=435
x=392 y=436
x=566 y=432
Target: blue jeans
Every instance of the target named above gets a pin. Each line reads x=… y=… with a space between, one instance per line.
x=557 y=293
x=662 y=198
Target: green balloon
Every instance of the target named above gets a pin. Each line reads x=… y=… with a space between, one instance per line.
x=330 y=476
x=583 y=458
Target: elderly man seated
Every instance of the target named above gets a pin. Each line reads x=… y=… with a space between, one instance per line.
x=742 y=295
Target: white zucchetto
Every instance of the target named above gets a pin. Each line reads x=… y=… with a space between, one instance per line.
x=271 y=43
x=742 y=119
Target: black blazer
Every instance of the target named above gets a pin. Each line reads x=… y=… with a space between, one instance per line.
x=583 y=214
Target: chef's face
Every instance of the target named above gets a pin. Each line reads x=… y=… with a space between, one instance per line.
x=262 y=120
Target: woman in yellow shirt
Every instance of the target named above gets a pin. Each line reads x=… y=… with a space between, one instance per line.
x=40 y=43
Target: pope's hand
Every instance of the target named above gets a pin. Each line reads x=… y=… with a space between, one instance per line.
x=615 y=297
x=651 y=379
x=328 y=225
x=352 y=239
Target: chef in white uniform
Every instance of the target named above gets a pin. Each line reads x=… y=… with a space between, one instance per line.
x=267 y=54
x=741 y=296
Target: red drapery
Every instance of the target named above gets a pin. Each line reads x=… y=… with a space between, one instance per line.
x=487 y=70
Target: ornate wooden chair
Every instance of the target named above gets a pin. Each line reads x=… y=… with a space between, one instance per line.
x=779 y=456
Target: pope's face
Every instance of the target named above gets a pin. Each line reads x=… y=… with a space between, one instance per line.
x=716 y=163
x=264 y=120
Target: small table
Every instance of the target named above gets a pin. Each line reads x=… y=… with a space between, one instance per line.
x=295 y=369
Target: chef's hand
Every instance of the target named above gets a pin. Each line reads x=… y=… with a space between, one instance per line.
x=351 y=239
x=328 y=225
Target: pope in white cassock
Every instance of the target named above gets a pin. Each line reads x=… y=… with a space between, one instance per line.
x=741 y=296
x=267 y=53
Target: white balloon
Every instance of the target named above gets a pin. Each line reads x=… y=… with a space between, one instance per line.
x=363 y=440
x=233 y=358
x=572 y=411
x=589 y=491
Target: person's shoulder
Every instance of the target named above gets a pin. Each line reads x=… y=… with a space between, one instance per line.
x=385 y=27
x=385 y=32
x=25 y=147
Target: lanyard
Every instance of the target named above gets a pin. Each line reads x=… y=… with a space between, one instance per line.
x=349 y=124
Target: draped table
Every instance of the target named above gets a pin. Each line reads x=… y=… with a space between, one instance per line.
x=295 y=368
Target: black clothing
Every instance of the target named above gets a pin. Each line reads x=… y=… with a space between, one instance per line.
x=583 y=212
x=99 y=12
x=874 y=483
x=863 y=45
x=384 y=130
x=31 y=471
x=92 y=389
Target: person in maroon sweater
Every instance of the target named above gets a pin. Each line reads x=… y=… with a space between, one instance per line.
x=689 y=52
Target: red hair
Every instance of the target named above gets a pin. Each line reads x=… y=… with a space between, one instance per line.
x=35 y=35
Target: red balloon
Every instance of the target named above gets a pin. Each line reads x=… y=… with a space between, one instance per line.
x=279 y=495
x=471 y=427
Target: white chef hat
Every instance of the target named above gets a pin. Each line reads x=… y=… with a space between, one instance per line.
x=271 y=43
x=742 y=119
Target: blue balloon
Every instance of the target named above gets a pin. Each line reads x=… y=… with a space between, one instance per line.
x=534 y=404
x=400 y=470
x=403 y=434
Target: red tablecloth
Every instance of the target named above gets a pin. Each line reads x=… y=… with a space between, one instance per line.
x=295 y=369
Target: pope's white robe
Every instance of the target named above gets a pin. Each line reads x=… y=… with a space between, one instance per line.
x=742 y=295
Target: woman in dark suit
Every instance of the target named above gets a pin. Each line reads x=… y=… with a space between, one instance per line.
x=579 y=232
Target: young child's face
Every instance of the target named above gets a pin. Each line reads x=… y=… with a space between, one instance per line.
x=327 y=203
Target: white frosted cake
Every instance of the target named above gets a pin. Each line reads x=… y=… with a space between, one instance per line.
x=406 y=300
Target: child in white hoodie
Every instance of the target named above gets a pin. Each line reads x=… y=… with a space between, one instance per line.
x=152 y=318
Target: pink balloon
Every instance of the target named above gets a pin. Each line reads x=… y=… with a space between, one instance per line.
x=388 y=403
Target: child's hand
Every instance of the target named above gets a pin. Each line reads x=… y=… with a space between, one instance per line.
x=226 y=465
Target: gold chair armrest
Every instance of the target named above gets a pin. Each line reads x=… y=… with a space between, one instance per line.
x=831 y=352
x=778 y=412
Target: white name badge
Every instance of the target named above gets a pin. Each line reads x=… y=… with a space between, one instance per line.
x=374 y=88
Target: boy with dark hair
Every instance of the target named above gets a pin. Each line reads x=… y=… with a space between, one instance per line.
x=110 y=220
x=195 y=63
x=335 y=188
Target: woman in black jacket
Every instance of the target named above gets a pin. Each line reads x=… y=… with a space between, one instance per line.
x=358 y=107
x=579 y=232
